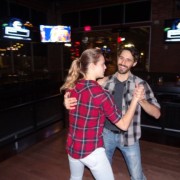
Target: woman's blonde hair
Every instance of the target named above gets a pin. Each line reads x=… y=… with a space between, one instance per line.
x=79 y=67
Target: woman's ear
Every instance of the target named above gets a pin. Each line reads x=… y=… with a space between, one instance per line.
x=92 y=66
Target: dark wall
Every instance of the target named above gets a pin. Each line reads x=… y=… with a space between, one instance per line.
x=164 y=56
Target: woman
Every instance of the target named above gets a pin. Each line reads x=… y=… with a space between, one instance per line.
x=86 y=120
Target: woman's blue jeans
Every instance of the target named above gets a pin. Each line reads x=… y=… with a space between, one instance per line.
x=131 y=154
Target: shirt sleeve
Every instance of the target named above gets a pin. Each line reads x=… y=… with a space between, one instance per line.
x=110 y=109
x=150 y=95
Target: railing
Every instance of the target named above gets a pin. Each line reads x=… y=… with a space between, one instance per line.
x=27 y=108
x=167 y=128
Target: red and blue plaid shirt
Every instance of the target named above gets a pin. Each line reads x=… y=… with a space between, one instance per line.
x=86 y=121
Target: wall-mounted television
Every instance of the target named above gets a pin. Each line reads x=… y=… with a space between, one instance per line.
x=15 y=29
x=55 y=34
x=172 y=30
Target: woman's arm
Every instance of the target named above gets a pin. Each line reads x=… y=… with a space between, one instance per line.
x=70 y=102
x=125 y=121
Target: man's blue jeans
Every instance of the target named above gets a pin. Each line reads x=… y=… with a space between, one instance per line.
x=131 y=154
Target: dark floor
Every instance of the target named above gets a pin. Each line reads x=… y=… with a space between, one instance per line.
x=47 y=160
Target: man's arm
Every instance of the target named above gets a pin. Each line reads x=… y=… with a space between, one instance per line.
x=102 y=80
x=149 y=103
x=150 y=109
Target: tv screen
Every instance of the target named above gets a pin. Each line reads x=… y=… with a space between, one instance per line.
x=172 y=30
x=16 y=29
x=54 y=34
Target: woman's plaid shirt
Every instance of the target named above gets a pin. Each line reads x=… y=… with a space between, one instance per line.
x=86 y=121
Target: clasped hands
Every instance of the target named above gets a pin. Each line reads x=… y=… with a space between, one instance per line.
x=139 y=92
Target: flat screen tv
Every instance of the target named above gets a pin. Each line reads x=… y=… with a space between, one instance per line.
x=55 y=34
x=15 y=29
x=172 y=30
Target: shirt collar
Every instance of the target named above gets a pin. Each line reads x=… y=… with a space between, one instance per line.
x=114 y=77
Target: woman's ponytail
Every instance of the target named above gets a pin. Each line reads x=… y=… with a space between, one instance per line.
x=79 y=67
x=73 y=75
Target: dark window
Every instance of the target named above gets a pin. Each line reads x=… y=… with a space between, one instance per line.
x=38 y=17
x=139 y=11
x=40 y=49
x=71 y=19
x=90 y=17
x=3 y=9
x=40 y=56
x=112 y=15
x=19 y=11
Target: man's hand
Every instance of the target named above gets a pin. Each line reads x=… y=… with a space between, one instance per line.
x=139 y=92
x=69 y=103
x=149 y=108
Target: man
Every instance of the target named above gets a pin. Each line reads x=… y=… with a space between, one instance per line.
x=121 y=86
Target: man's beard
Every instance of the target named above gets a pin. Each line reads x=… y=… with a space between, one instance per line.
x=123 y=71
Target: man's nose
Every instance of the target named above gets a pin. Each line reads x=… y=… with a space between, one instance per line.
x=123 y=61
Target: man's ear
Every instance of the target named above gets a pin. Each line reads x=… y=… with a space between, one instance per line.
x=134 y=64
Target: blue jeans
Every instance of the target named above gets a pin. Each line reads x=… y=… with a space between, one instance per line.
x=131 y=154
x=97 y=162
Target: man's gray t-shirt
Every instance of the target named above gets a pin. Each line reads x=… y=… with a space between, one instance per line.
x=118 y=93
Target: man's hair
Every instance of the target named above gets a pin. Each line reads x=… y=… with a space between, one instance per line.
x=133 y=50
